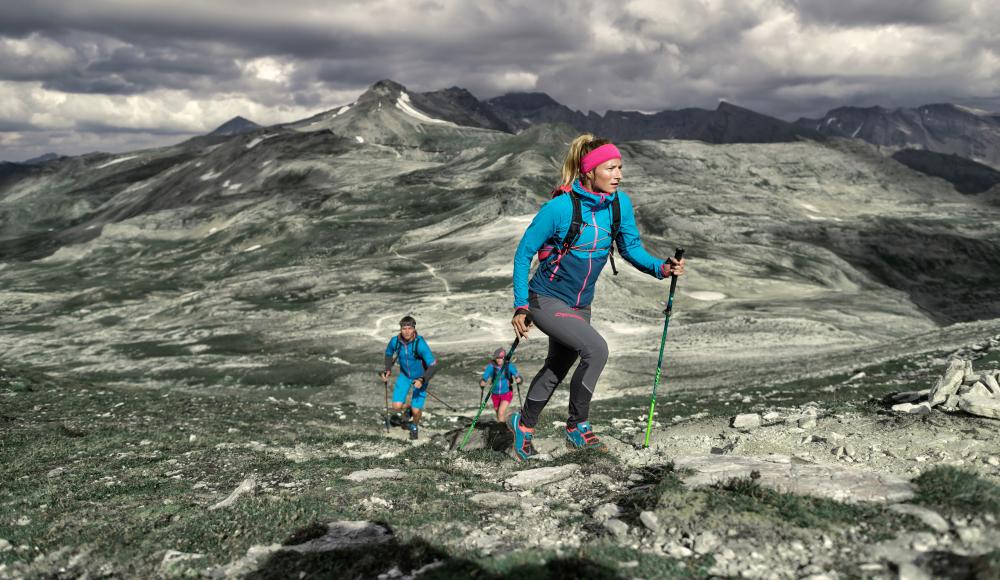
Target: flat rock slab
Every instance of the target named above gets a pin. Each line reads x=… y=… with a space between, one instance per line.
x=496 y=498
x=982 y=406
x=838 y=482
x=531 y=478
x=376 y=473
x=345 y=534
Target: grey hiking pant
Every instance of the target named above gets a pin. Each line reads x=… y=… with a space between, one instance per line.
x=570 y=337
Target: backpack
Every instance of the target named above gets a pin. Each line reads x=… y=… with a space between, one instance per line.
x=575 y=226
x=416 y=347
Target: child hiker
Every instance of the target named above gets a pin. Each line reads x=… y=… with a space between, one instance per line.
x=502 y=392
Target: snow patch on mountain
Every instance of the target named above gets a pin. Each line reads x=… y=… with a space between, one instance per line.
x=705 y=295
x=116 y=161
x=259 y=140
x=404 y=104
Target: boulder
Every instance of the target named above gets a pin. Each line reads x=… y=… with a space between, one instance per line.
x=948 y=383
x=981 y=406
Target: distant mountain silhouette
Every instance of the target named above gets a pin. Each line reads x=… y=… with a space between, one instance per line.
x=942 y=128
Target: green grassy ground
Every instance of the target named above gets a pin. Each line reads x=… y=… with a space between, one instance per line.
x=104 y=479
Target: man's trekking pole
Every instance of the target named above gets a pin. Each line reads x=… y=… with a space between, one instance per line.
x=440 y=400
x=386 y=383
x=503 y=369
x=663 y=340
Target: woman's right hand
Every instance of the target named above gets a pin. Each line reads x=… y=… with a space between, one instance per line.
x=521 y=324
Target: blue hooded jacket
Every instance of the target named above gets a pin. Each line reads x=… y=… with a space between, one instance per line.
x=414 y=357
x=502 y=386
x=571 y=277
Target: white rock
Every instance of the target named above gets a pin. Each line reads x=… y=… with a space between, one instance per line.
x=911 y=409
x=617 y=527
x=982 y=406
x=746 y=421
x=247 y=486
x=377 y=473
x=948 y=383
x=4 y=545
x=607 y=511
x=650 y=520
x=675 y=550
x=531 y=478
x=706 y=542
x=56 y=472
x=839 y=482
x=992 y=384
x=928 y=516
x=806 y=422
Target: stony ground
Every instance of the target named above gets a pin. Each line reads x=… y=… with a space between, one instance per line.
x=118 y=481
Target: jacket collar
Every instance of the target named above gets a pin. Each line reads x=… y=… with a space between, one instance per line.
x=594 y=198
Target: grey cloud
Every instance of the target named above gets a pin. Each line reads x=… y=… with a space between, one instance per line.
x=867 y=13
x=587 y=55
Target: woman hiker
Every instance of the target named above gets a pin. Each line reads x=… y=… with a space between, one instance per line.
x=573 y=242
x=503 y=391
x=416 y=367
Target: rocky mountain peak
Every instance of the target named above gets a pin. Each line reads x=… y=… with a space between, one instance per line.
x=384 y=88
x=235 y=126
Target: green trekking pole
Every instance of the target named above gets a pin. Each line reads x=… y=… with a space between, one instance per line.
x=663 y=341
x=503 y=368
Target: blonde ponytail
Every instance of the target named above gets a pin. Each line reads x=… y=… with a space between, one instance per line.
x=580 y=146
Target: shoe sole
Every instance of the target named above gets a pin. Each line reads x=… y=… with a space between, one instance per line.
x=602 y=449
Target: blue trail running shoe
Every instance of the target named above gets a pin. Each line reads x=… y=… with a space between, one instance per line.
x=523 y=448
x=583 y=437
x=413 y=431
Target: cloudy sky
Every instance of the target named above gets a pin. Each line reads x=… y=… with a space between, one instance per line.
x=116 y=75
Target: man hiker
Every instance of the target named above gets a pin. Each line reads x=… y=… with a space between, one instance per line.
x=416 y=367
x=503 y=391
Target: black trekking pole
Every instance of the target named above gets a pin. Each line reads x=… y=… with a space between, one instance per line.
x=663 y=340
x=439 y=400
x=386 y=383
x=503 y=368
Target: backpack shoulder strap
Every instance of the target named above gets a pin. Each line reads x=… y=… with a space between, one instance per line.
x=616 y=225
x=416 y=349
x=576 y=223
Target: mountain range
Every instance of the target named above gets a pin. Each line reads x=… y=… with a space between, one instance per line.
x=282 y=257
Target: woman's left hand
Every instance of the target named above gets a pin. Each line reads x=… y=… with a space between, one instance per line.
x=672 y=268
x=420 y=386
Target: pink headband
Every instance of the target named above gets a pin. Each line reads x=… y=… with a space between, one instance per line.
x=598 y=156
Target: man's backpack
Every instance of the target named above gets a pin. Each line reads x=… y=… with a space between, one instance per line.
x=416 y=348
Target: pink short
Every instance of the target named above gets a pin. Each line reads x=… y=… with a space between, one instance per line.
x=508 y=396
